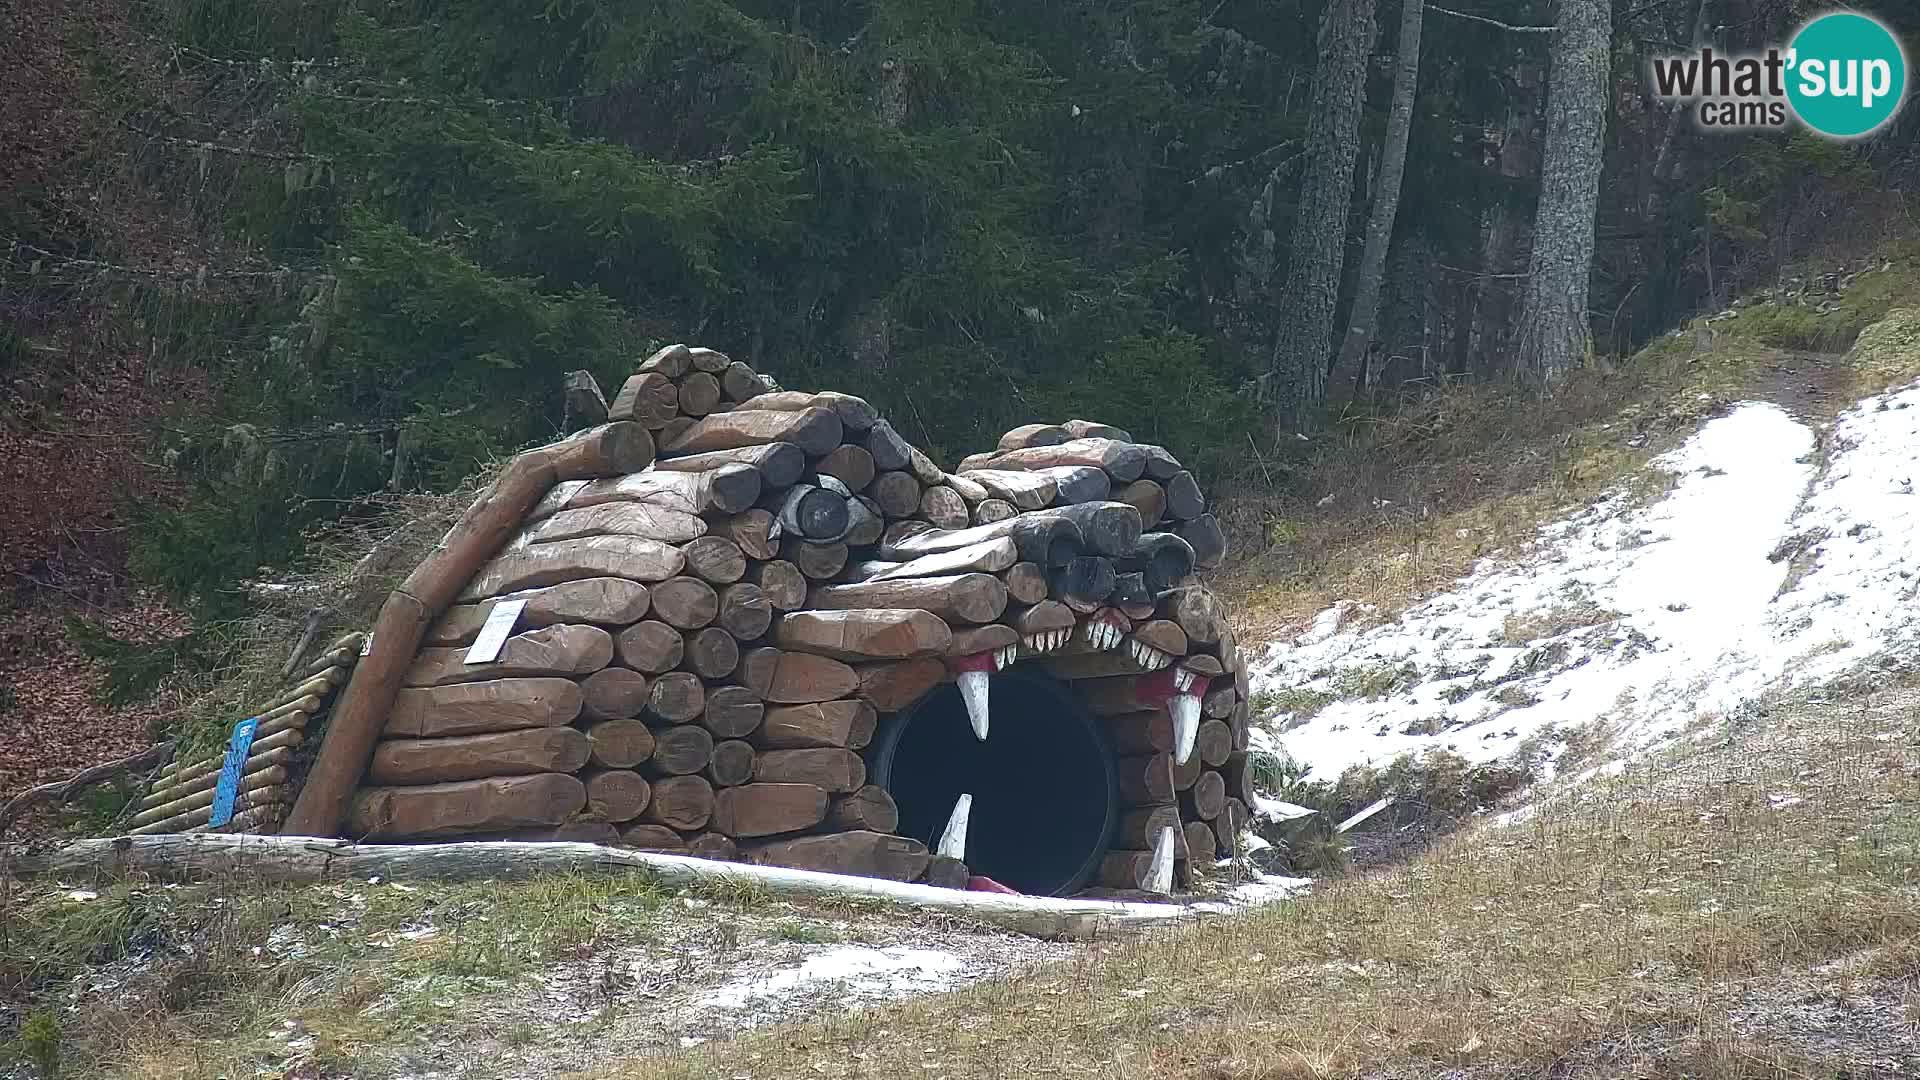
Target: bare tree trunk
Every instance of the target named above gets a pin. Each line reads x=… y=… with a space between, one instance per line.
x=1361 y=324
x=1305 y=324
x=1553 y=337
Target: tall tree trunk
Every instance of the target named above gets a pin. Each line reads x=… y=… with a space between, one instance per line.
x=1305 y=324
x=1553 y=336
x=1361 y=323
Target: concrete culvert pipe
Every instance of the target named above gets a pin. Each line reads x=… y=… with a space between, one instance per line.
x=1045 y=799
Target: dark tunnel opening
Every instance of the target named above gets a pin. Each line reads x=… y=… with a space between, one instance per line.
x=1045 y=798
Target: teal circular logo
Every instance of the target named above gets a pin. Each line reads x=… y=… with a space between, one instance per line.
x=1846 y=75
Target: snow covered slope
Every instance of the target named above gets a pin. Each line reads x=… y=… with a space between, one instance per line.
x=1774 y=561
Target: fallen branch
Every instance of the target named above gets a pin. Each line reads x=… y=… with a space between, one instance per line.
x=1509 y=27
x=307 y=860
x=64 y=790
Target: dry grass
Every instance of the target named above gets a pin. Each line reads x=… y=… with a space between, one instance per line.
x=1653 y=923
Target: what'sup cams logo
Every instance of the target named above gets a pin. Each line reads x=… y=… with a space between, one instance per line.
x=1843 y=75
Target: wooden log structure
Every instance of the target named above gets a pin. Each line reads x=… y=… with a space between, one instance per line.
x=722 y=594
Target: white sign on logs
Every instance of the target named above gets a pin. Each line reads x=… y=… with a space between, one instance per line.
x=493 y=635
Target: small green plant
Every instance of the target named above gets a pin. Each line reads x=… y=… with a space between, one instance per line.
x=1298 y=703
x=1373 y=682
x=805 y=933
x=40 y=1040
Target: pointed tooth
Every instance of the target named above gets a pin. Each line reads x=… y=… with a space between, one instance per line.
x=973 y=690
x=1185 y=710
x=1182 y=679
x=1160 y=870
x=1161 y=659
x=953 y=841
x=1032 y=642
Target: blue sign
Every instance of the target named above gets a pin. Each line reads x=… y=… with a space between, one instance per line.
x=229 y=784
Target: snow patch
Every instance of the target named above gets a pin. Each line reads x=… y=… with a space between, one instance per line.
x=1758 y=571
x=859 y=972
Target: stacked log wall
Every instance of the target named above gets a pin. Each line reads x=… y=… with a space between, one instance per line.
x=707 y=644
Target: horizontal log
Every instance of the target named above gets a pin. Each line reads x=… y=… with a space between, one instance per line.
x=699 y=394
x=781 y=583
x=1043 y=617
x=1026 y=583
x=791 y=678
x=614 y=692
x=473 y=757
x=741 y=383
x=1141 y=826
x=709 y=360
x=472 y=708
x=672 y=361
x=1141 y=731
x=1238 y=773
x=896 y=492
x=1123 y=461
x=1147 y=497
x=1033 y=435
x=574 y=832
x=851 y=465
x=1083 y=583
x=677 y=697
x=680 y=802
x=565 y=649
x=889 y=450
x=732 y=712
x=612 y=519
x=650 y=646
x=1047 y=539
x=1025 y=490
x=985 y=557
x=1130 y=595
x=648 y=398
x=648 y=837
x=871 y=808
x=685 y=603
x=1163 y=560
x=1106 y=528
x=1163 y=635
x=1145 y=779
x=814 y=430
x=1198 y=612
x=1198 y=843
x=865 y=522
x=1219 y=701
x=714 y=559
x=1088 y=429
x=970 y=491
x=864 y=633
x=817 y=562
x=943 y=507
x=254 y=811
x=847 y=724
x=832 y=769
x=1184 y=501
x=681 y=750
x=1205 y=799
x=855 y=414
x=619 y=744
x=1208 y=542
x=862 y=854
x=1078 y=483
x=991 y=510
x=1201 y=664
x=731 y=764
x=286 y=729
x=973 y=640
x=1129 y=870
x=946 y=873
x=628 y=557
x=893 y=685
x=768 y=808
x=605 y=601
x=1161 y=464
x=616 y=795
x=712 y=653
x=673 y=429
x=963 y=598
x=754 y=531
x=728 y=489
x=501 y=802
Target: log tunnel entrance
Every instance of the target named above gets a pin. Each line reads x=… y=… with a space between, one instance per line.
x=1045 y=798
